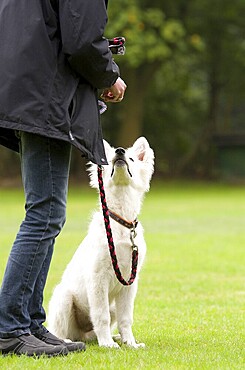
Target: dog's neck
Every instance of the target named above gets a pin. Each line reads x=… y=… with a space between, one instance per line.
x=124 y=202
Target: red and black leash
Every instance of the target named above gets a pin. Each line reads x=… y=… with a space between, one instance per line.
x=110 y=238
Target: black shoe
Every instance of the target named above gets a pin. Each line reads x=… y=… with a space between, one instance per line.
x=29 y=345
x=52 y=339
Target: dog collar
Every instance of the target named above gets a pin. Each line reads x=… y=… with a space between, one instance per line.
x=122 y=221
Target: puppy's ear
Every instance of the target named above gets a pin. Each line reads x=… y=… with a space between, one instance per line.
x=142 y=148
x=146 y=155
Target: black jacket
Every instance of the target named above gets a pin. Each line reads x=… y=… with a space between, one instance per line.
x=53 y=58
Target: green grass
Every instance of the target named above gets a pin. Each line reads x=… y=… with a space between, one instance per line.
x=190 y=305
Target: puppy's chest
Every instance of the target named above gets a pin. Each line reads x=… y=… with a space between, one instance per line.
x=121 y=236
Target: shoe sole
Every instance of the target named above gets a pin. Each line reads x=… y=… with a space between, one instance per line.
x=64 y=352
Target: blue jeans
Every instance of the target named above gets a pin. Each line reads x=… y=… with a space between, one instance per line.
x=45 y=167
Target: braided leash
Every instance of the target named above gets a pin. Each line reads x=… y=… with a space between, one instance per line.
x=110 y=238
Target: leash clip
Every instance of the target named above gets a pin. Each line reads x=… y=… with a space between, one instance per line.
x=133 y=235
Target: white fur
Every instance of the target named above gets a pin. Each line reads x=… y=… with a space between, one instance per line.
x=90 y=299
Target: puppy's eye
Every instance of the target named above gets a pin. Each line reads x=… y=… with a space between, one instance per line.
x=131 y=159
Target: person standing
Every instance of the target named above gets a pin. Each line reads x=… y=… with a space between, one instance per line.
x=54 y=58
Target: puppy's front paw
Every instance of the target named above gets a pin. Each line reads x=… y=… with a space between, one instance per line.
x=139 y=345
x=111 y=344
x=133 y=344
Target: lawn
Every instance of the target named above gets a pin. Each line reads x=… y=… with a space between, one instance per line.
x=189 y=310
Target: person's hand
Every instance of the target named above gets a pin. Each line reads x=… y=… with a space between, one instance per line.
x=115 y=93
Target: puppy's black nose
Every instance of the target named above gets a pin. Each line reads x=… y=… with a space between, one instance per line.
x=120 y=151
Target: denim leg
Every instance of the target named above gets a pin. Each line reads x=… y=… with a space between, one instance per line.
x=45 y=170
x=36 y=310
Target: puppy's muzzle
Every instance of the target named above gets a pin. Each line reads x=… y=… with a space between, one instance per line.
x=120 y=160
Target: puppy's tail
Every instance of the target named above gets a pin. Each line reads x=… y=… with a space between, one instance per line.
x=60 y=313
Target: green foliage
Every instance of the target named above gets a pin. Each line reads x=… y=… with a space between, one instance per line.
x=148 y=33
x=190 y=302
x=196 y=86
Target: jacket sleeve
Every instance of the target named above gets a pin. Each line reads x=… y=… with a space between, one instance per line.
x=82 y=24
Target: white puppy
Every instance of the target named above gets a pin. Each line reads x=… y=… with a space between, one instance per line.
x=90 y=299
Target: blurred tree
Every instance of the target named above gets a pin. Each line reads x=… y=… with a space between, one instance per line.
x=220 y=25
x=185 y=72
x=151 y=40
